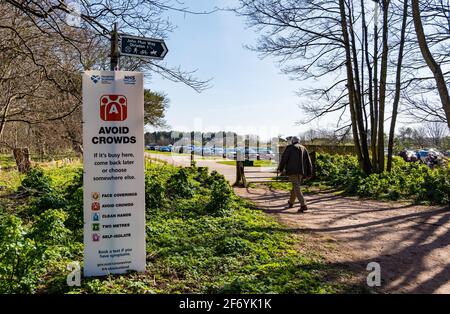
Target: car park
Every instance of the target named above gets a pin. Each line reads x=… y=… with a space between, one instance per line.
x=217 y=151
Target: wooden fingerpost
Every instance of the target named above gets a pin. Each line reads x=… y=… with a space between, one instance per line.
x=224 y=145
x=247 y=147
x=258 y=157
x=192 y=149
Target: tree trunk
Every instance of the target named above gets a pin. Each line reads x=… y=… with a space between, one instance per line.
x=4 y=116
x=359 y=101
x=383 y=79
x=22 y=157
x=351 y=89
x=432 y=64
x=397 y=86
x=375 y=89
x=370 y=82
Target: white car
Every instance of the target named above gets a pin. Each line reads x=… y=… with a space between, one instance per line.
x=266 y=154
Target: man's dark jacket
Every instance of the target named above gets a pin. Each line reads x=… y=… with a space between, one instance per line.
x=296 y=160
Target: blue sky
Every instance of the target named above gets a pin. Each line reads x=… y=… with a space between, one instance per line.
x=247 y=94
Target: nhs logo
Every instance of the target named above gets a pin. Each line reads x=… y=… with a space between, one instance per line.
x=129 y=80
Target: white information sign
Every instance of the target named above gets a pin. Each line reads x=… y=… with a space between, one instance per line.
x=114 y=192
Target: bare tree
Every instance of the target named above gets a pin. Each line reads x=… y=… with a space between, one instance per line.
x=434 y=66
x=141 y=17
x=419 y=137
x=398 y=82
x=329 y=45
x=352 y=61
x=42 y=54
x=420 y=98
x=436 y=132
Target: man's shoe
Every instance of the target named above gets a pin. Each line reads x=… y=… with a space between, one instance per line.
x=303 y=209
x=290 y=205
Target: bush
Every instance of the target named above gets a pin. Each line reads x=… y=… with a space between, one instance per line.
x=47 y=201
x=19 y=257
x=406 y=180
x=201 y=175
x=25 y=251
x=37 y=182
x=436 y=186
x=73 y=194
x=221 y=202
x=340 y=171
x=49 y=228
x=154 y=191
x=180 y=185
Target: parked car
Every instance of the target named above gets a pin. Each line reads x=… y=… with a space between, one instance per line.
x=151 y=147
x=207 y=151
x=197 y=150
x=230 y=153
x=434 y=152
x=166 y=149
x=266 y=154
x=251 y=153
x=408 y=155
x=217 y=151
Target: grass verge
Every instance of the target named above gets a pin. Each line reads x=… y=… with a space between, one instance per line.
x=201 y=238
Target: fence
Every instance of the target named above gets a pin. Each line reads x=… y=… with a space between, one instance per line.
x=328 y=149
x=272 y=175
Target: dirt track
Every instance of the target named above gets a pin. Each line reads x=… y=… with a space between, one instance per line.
x=411 y=243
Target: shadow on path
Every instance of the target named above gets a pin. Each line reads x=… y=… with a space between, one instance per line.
x=411 y=242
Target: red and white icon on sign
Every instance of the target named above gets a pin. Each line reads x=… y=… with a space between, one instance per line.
x=95 y=206
x=113 y=108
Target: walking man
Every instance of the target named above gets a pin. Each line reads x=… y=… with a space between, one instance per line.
x=296 y=164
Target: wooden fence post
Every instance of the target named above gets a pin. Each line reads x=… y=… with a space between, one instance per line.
x=240 y=176
x=247 y=147
x=313 y=162
x=224 y=145
x=192 y=149
x=22 y=157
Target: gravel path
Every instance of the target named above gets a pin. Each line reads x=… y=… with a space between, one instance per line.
x=411 y=243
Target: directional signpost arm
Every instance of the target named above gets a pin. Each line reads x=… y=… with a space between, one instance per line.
x=143 y=47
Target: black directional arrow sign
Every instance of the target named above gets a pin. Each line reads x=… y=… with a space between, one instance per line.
x=142 y=47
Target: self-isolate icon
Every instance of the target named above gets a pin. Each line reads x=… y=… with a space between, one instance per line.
x=113 y=108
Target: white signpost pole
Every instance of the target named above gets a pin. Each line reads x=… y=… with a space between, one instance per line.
x=114 y=192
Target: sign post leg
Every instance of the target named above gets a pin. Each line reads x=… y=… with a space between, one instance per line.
x=114 y=49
